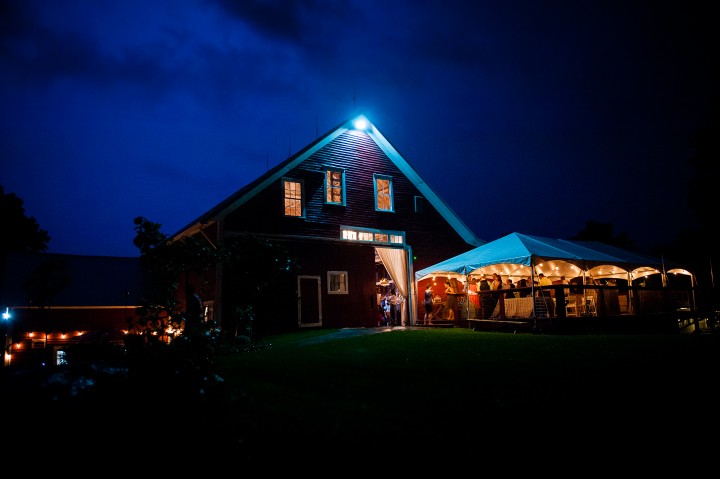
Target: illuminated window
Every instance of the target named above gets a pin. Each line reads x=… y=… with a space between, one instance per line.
x=61 y=357
x=383 y=193
x=293 y=198
x=354 y=233
x=349 y=235
x=335 y=187
x=337 y=282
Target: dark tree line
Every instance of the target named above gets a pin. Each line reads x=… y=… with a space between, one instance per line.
x=22 y=232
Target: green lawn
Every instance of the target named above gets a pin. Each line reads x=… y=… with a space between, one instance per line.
x=462 y=391
x=424 y=398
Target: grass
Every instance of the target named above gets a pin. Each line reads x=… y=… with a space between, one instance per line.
x=459 y=390
x=431 y=395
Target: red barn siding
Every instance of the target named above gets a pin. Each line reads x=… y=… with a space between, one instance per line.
x=280 y=311
x=430 y=236
x=263 y=213
x=315 y=239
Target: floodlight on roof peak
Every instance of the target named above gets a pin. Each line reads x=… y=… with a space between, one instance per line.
x=360 y=123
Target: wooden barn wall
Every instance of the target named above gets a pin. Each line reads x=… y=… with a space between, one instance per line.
x=355 y=309
x=431 y=237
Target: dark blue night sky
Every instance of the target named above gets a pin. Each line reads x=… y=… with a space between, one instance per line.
x=524 y=116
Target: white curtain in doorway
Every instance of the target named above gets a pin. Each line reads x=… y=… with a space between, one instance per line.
x=395 y=263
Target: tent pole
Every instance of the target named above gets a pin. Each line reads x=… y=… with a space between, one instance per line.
x=584 y=308
x=693 y=283
x=467 y=294
x=630 y=307
x=532 y=292
x=712 y=278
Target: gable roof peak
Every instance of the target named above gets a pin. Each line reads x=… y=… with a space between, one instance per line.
x=357 y=122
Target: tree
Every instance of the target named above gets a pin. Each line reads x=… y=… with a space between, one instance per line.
x=24 y=233
x=186 y=365
x=252 y=265
x=166 y=261
x=258 y=268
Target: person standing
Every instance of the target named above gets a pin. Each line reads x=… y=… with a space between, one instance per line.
x=546 y=294
x=509 y=285
x=486 y=302
x=523 y=283
x=386 y=309
x=451 y=300
x=496 y=282
x=496 y=285
x=379 y=306
x=543 y=281
x=394 y=303
x=428 y=303
x=194 y=315
x=565 y=290
x=473 y=296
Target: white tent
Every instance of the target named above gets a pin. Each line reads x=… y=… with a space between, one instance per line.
x=523 y=256
x=520 y=256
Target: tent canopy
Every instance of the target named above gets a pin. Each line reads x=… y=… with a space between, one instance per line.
x=515 y=254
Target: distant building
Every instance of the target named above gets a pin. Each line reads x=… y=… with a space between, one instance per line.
x=53 y=300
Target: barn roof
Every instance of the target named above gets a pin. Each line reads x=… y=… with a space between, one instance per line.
x=248 y=191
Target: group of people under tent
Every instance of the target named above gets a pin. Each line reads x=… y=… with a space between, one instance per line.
x=493 y=282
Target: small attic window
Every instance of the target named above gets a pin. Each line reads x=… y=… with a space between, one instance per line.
x=334 y=186
x=383 y=193
x=293 y=204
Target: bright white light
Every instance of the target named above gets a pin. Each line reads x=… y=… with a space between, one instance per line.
x=6 y=314
x=360 y=124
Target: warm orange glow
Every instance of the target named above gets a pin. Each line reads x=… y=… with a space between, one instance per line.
x=31 y=334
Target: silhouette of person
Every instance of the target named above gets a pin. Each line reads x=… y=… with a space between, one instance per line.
x=193 y=309
x=428 y=303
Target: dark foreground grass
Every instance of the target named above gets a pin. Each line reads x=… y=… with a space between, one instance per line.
x=461 y=392
x=427 y=398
